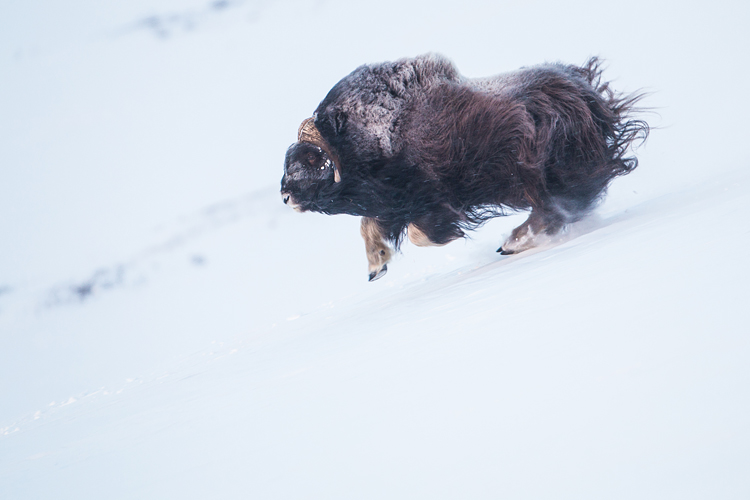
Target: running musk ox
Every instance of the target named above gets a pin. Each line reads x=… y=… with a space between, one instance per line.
x=414 y=148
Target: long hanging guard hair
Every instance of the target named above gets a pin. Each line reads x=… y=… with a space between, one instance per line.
x=622 y=132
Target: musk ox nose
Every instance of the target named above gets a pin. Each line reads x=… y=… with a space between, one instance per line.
x=285 y=198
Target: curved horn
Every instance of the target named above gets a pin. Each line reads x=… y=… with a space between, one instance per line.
x=309 y=133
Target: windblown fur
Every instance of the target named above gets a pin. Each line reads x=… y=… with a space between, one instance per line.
x=414 y=143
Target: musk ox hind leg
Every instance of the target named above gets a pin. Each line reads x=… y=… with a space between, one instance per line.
x=436 y=228
x=539 y=227
x=378 y=252
x=419 y=238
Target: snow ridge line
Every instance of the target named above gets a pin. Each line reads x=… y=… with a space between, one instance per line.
x=137 y=270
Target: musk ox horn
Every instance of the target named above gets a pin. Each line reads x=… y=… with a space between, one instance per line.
x=309 y=133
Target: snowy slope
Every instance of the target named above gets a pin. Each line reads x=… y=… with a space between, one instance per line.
x=171 y=330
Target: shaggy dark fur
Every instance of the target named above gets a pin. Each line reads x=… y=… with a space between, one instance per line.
x=416 y=143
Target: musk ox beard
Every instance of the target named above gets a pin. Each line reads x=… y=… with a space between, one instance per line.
x=416 y=149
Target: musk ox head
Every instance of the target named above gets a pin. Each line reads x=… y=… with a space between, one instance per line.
x=310 y=170
x=358 y=124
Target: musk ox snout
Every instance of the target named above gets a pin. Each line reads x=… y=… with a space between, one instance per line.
x=307 y=170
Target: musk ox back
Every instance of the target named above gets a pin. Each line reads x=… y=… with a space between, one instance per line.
x=416 y=149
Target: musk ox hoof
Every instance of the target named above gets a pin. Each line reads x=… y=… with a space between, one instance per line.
x=378 y=274
x=522 y=243
x=539 y=229
x=517 y=243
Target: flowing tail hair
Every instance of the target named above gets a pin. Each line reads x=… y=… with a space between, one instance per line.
x=615 y=117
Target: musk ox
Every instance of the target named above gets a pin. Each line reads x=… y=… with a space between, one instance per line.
x=416 y=149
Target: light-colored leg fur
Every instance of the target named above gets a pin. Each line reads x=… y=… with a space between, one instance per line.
x=378 y=252
x=538 y=229
x=420 y=239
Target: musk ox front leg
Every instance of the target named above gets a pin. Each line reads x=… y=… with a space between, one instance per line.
x=378 y=252
x=538 y=228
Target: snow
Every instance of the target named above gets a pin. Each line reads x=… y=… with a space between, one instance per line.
x=170 y=329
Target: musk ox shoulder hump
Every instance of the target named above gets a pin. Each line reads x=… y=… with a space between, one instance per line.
x=421 y=73
x=368 y=102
